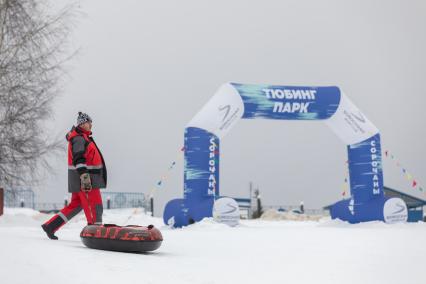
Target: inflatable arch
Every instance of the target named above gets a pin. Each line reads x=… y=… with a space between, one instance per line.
x=233 y=102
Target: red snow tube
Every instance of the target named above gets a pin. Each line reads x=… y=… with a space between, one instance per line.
x=127 y=239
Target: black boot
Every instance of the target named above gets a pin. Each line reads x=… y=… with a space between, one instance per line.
x=49 y=232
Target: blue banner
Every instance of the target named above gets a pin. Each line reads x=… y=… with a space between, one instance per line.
x=288 y=102
x=365 y=169
x=201 y=177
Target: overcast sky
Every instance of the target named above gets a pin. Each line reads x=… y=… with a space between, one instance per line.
x=146 y=67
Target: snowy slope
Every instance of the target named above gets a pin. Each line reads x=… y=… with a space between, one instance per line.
x=254 y=252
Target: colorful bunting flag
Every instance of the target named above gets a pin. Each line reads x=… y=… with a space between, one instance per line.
x=165 y=175
x=407 y=175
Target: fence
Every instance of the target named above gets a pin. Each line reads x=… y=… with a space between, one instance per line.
x=288 y=208
x=115 y=200
x=111 y=200
x=48 y=207
x=19 y=198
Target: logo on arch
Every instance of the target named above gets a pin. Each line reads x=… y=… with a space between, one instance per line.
x=395 y=211
x=226 y=210
x=227 y=109
x=230 y=115
x=360 y=117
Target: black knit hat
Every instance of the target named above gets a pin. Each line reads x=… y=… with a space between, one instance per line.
x=83 y=118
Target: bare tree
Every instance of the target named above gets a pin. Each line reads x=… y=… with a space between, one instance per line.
x=32 y=52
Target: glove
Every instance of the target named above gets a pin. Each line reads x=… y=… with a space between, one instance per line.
x=86 y=183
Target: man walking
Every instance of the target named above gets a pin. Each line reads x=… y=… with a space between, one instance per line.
x=86 y=175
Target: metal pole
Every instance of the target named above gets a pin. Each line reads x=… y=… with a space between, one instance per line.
x=108 y=202
x=259 y=211
x=251 y=200
x=1 y=201
x=258 y=202
x=152 y=206
x=22 y=203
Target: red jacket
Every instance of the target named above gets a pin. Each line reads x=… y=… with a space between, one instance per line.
x=84 y=156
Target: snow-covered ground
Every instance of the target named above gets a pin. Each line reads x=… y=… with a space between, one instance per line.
x=254 y=252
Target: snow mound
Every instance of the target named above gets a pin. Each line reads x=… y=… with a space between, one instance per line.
x=274 y=215
x=18 y=217
x=131 y=216
x=208 y=223
x=20 y=212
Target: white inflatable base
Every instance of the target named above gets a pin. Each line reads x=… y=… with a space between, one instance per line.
x=226 y=211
